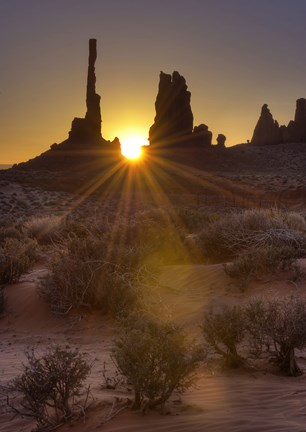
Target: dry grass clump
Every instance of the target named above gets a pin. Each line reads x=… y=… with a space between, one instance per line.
x=86 y=273
x=271 y=259
x=16 y=257
x=10 y=232
x=226 y=238
x=50 y=387
x=156 y=358
x=257 y=241
x=44 y=228
x=194 y=220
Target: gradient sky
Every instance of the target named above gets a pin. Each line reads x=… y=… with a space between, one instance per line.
x=235 y=55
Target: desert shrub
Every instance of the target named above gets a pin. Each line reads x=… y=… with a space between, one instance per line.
x=44 y=228
x=255 y=262
x=51 y=385
x=156 y=359
x=232 y=234
x=279 y=325
x=16 y=257
x=85 y=272
x=223 y=331
x=294 y=221
x=10 y=232
x=194 y=220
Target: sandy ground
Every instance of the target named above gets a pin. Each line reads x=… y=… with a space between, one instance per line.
x=249 y=400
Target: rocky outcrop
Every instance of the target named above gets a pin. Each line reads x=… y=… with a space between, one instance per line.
x=201 y=136
x=221 y=141
x=267 y=130
x=173 y=123
x=296 y=129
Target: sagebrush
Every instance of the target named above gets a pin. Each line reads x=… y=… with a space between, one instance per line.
x=156 y=358
x=51 y=385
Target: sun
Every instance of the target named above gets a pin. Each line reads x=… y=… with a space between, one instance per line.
x=131 y=146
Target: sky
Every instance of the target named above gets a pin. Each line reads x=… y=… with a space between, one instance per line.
x=236 y=55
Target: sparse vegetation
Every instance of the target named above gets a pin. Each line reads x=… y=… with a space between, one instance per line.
x=16 y=257
x=223 y=331
x=235 y=233
x=280 y=324
x=86 y=273
x=274 y=327
x=50 y=386
x=43 y=228
x=270 y=259
x=156 y=359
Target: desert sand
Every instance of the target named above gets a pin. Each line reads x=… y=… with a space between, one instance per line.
x=221 y=400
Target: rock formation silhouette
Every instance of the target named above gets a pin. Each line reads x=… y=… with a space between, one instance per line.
x=85 y=144
x=173 y=123
x=201 y=136
x=267 y=130
x=89 y=128
x=296 y=129
x=221 y=141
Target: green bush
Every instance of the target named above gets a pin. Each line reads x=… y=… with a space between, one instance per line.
x=16 y=257
x=156 y=359
x=223 y=331
x=51 y=385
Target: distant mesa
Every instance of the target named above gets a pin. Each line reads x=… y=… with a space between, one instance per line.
x=268 y=131
x=85 y=144
x=173 y=123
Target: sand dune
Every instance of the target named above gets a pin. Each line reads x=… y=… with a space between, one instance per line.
x=237 y=401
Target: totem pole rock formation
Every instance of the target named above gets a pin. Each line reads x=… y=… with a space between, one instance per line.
x=85 y=144
x=173 y=123
x=89 y=128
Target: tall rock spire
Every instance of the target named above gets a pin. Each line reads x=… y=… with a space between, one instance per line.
x=93 y=114
x=88 y=129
